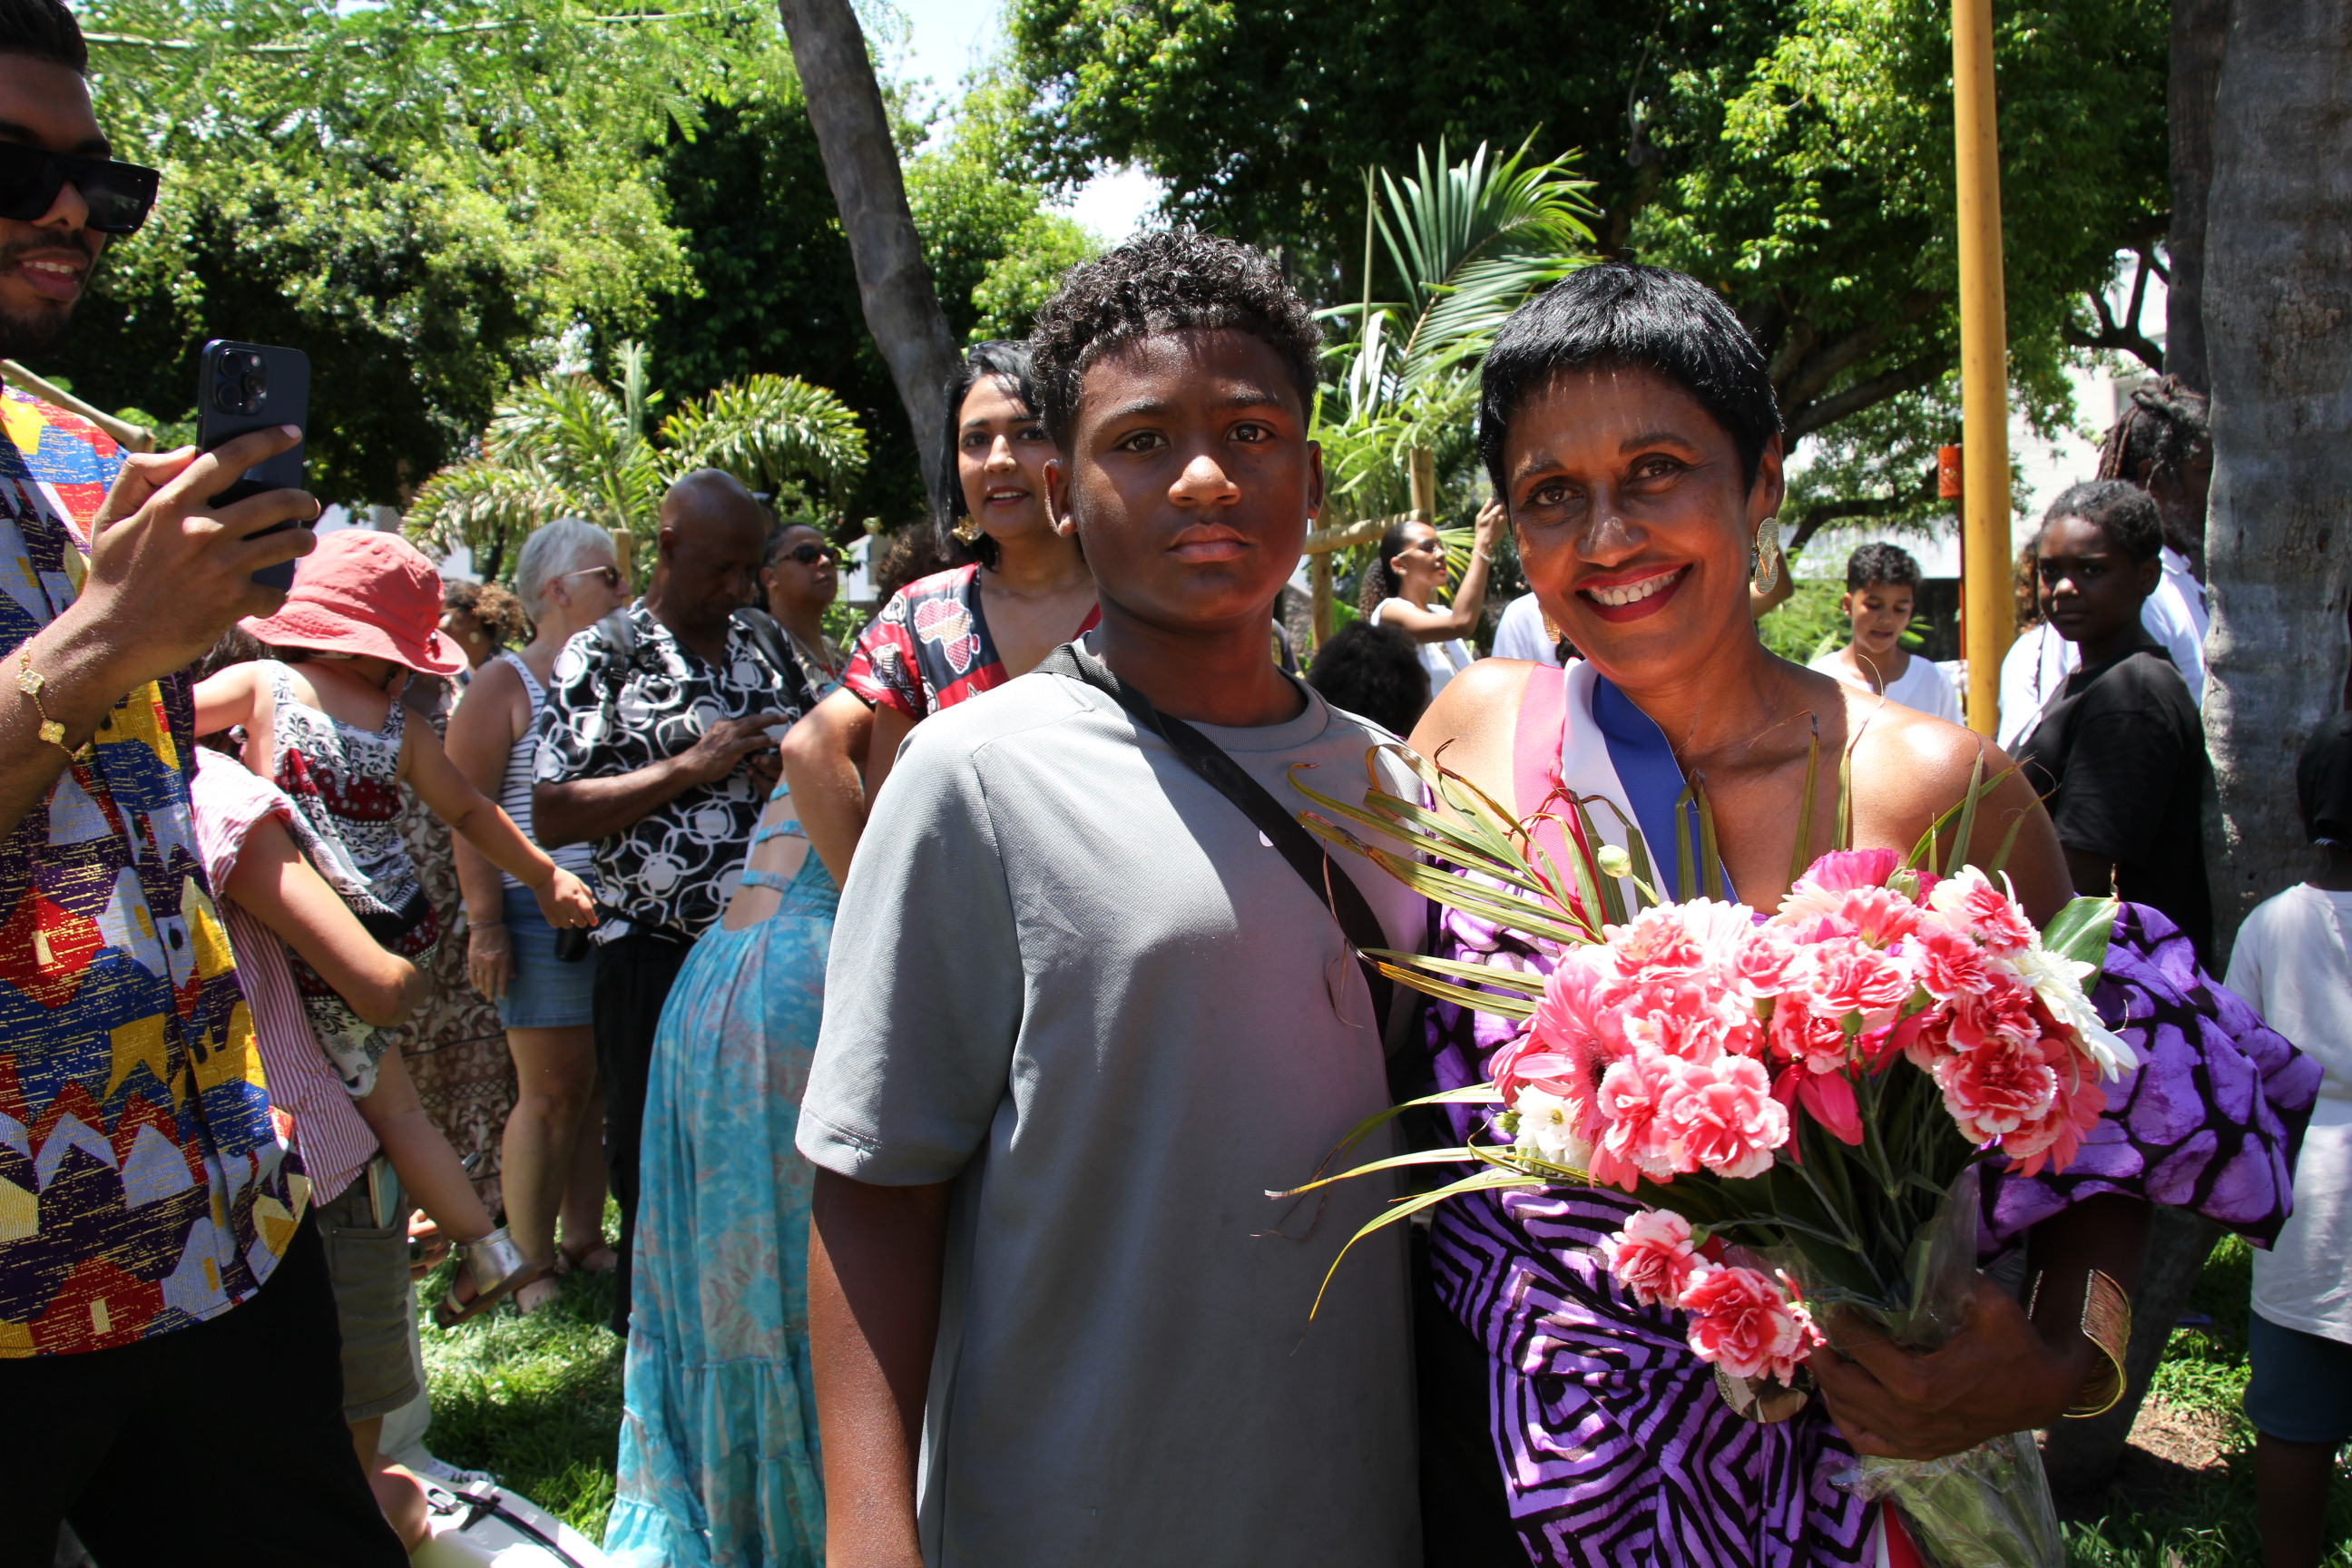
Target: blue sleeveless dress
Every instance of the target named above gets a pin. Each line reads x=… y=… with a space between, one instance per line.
x=719 y=1442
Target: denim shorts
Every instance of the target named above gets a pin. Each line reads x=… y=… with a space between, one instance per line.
x=2301 y=1391
x=545 y=993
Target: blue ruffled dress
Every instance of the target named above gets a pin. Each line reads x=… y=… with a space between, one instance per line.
x=719 y=1442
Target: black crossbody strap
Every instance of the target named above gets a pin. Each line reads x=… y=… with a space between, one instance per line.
x=1335 y=887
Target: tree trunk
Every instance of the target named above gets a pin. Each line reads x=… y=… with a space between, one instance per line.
x=2278 y=330
x=2198 y=30
x=861 y=164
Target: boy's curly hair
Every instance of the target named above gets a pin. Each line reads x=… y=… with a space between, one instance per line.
x=1171 y=282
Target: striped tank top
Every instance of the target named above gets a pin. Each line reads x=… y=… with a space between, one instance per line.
x=522 y=762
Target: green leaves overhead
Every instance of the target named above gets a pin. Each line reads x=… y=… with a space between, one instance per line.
x=426 y=198
x=1467 y=243
x=768 y=431
x=569 y=445
x=1470 y=242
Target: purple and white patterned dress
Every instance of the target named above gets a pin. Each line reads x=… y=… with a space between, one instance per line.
x=1615 y=1447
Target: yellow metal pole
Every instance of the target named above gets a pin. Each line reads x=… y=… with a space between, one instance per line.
x=1984 y=365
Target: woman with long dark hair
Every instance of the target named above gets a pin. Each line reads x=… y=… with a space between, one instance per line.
x=944 y=638
x=1408 y=571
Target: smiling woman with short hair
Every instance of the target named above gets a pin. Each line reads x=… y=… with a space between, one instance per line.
x=1628 y=423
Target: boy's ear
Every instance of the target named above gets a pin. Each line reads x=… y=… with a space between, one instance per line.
x=1057 y=498
x=1314 y=480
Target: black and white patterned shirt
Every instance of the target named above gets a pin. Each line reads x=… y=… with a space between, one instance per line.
x=675 y=867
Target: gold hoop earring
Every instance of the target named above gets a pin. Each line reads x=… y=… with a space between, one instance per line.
x=967 y=529
x=1765 y=559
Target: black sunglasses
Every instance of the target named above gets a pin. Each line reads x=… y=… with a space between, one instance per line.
x=809 y=554
x=119 y=195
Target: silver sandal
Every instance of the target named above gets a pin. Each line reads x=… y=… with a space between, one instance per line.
x=498 y=1265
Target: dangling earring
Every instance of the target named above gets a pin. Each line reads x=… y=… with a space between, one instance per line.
x=1552 y=632
x=967 y=529
x=1765 y=559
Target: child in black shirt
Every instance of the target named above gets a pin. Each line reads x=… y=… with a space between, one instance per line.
x=2118 y=753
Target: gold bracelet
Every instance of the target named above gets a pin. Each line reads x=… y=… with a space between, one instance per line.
x=2108 y=1324
x=32 y=683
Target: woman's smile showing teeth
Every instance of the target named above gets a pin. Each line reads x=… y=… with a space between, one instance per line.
x=1632 y=596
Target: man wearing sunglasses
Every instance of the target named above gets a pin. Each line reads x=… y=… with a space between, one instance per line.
x=658 y=749
x=167 y=1327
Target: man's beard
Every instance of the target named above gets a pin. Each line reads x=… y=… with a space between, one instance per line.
x=41 y=331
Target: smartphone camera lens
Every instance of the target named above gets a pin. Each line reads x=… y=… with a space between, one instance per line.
x=244 y=384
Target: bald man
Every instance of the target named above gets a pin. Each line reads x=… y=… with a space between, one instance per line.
x=655 y=749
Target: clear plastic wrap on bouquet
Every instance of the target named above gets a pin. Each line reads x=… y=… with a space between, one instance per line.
x=1989 y=1506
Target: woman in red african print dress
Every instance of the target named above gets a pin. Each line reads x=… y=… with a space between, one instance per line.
x=947 y=637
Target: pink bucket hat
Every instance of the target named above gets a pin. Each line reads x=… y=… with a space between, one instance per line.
x=366 y=593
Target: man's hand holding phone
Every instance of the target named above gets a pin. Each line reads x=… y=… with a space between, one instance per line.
x=168 y=574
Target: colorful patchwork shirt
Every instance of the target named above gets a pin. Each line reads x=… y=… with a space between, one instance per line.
x=144 y=1181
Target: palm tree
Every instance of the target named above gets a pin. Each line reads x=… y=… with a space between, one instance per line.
x=1469 y=243
x=569 y=445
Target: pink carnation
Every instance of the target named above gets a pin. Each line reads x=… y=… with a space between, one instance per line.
x=1697 y=1018
x=2056 y=1137
x=1746 y=1324
x=1847 y=976
x=1761 y=968
x=1722 y=1115
x=1989 y=913
x=1946 y=961
x=2002 y=1016
x=1679 y=940
x=1995 y=1089
x=1809 y=1038
x=1654 y=1257
x=1630 y=1142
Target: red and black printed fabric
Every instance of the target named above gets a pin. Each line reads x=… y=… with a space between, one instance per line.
x=929 y=648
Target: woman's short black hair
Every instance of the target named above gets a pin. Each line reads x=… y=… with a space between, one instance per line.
x=1623 y=314
x=1888 y=564
x=1374 y=672
x=1009 y=363
x=2126 y=513
x=1171 y=282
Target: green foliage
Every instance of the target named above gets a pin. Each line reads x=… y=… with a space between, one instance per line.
x=1807 y=623
x=1467 y=242
x=423 y=197
x=775 y=291
x=568 y=446
x=1795 y=153
x=995 y=251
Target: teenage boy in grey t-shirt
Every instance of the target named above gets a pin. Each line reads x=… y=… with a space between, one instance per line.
x=1081 y=1014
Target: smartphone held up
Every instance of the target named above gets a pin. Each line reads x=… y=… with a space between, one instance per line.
x=242 y=387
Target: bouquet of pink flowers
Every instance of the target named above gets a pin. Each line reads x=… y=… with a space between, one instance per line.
x=1802 y=1099
x=1832 y=1069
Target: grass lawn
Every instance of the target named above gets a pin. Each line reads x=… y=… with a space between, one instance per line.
x=538 y=1400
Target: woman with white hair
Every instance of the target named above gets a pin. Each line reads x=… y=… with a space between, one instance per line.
x=567 y=578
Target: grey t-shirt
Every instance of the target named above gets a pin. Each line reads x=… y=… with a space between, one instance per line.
x=1071 y=977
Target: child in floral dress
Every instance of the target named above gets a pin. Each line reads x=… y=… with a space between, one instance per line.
x=330 y=732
